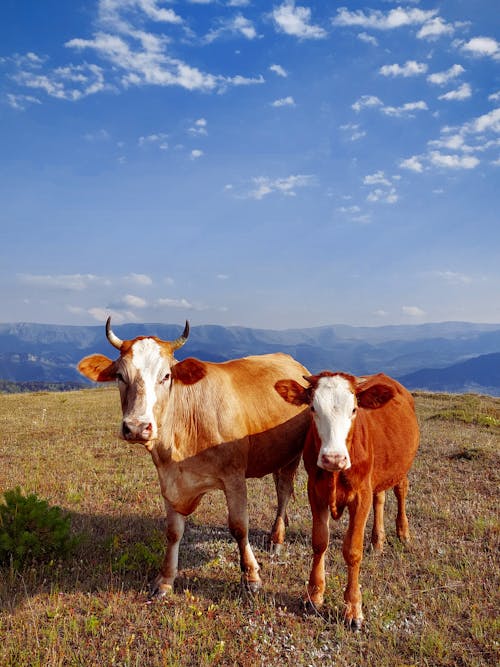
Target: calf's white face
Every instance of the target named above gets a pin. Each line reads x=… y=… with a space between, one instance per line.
x=141 y=374
x=334 y=409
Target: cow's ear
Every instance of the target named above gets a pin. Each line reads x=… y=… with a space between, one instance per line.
x=292 y=392
x=375 y=396
x=189 y=371
x=98 y=368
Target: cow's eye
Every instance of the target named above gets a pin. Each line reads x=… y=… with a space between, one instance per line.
x=354 y=410
x=120 y=377
x=165 y=378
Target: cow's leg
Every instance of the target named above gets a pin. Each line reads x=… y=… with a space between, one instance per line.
x=164 y=582
x=283 y=481
x=352 y=551
x=236 y=497
x=402 y=526
x=378 y=531
x=320 y=538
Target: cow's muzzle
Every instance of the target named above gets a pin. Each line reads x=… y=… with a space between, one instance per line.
x=135 y=430
x=334 y=462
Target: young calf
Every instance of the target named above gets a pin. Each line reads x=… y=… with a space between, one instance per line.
x=362 y=440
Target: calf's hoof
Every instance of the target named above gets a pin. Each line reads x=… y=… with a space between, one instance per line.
x=251 y=587
x=159 y=589
x=354 y=624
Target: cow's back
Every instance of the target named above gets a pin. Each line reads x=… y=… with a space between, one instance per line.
x=394 y=435
x=236 y=404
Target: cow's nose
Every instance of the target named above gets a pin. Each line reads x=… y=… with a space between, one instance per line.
x=134 y=429
x=334 y=462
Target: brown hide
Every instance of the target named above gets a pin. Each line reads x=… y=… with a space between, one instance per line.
x=214 y=426
x=382 y=444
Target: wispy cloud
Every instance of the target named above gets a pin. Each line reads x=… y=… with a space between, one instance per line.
x=284 y=102
x=413 y=311
x=366 y=101
x=72 y=282
x=378 y=20
x=235 y=26
x=435 y=28
x=410 y=68
x=296 y=21
x=442 y=78
x=279 y=70
x=461 y=93
x=288 y=186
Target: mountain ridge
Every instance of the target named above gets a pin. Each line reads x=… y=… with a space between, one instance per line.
x=31 y=352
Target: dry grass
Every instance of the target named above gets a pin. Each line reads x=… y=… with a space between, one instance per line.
x=435 y=604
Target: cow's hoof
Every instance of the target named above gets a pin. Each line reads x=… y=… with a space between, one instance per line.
x=276 y=549
x=251 y=587
x=158 y=591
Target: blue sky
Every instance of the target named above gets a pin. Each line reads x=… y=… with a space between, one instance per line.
x=267 y=164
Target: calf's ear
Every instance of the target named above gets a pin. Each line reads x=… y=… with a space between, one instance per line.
x=292 y=392
x=98 y=368
x=189 y=371
x=375 y=396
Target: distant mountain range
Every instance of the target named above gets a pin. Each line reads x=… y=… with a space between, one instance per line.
x=449 y=356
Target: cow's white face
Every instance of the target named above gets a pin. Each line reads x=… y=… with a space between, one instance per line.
x=334 y=408
x=142 y=373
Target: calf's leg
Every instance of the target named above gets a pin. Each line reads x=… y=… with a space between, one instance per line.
x=164 y=582
x=320 y=538
x=402 y=526
x=352 y=551
x=378 y=531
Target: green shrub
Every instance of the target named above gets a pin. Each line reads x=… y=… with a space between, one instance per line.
x=31 y=530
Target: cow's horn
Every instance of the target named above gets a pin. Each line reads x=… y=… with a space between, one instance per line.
x=307 y=378
x=179 y=342
x=113 y=339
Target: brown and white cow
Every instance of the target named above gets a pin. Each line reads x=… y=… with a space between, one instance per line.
x=208 y=426
x=362 y=440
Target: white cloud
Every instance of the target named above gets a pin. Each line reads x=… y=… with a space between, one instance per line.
x=70 y=83
x=413 y=164
x=159 y=139
x=453 y=161
x=434 y=29
x=410 y=68
x=368 y=39
x=405 y=109
x=494 y=97
x=73 y=282
x=441 y=78
x=175 y=303
x=21 y=102
x=487 y=122
x=111 y=12
x=296 y=21
x=134 y=301
x=482 y=46
x=139 y=279
x=279 y=70
x=376 y=19
x=284 y=102
x=366 y=101
x=238 y=25
x=413 y=311
x=453 y=277
x=378 y=178
x=354 y=130
x=199 y=127
x=383 y=196
x=461 y=93
x=196 y=153
x=285 y=186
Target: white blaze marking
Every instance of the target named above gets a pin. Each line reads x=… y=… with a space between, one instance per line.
x=147 y=359
x=333 y=405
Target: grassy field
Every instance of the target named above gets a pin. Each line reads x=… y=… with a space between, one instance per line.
x=434 y=604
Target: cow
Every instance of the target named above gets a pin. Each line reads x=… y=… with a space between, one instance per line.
x=207 y=426
x=362 y=440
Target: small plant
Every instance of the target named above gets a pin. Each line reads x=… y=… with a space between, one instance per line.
x=31 y=530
